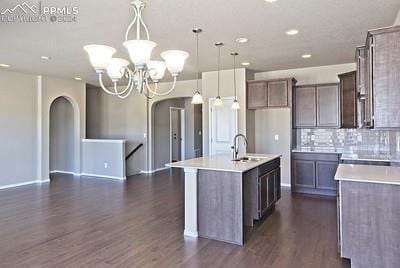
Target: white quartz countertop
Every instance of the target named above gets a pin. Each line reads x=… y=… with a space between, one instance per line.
x=224 y=162
x=367 y=173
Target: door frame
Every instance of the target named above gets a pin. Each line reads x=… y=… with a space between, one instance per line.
x=183 y=140
x=210 y=111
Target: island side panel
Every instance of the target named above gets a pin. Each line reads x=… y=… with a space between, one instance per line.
x=370 y=221
x=220 y=206
x=250 y=197
x=191 y=228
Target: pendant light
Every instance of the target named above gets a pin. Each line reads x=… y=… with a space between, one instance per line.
x=235 y=104
x=218 y=100
x=197 y=98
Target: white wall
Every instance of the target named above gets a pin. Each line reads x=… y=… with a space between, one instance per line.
x=313 y=75
x=103 y=158
x=25 y=121
x=209 y=85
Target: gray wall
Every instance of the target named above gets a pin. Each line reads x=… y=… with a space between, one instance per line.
x=18 y=128
x=25 y=121
x=103 y=158
x=111 y=118
x=161 y=127
x=271 y=122
x=61 y=136
x=162 y=130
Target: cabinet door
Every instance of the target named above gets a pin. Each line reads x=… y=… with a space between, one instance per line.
x=263 y=194
x=278 y=184
x=305 y=107
x=257 y=95
x=325 y=172
x=386 y=80
x=328 y=106
x=348 y=101
x=278 y=94
x=304 y=173
x=271 y=189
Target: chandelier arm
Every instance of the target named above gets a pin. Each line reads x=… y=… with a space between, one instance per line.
x=144 y=25
x=131 y=25
x=124 y=96
x=105 y=88
x=156 y=87
x=116 y=93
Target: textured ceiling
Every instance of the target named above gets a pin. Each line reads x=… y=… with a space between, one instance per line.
x=329 y=30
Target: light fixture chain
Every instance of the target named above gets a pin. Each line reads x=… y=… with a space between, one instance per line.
x=234 y=74
x=197 y=64
x=219 y=68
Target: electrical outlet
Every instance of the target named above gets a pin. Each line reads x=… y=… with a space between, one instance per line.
x=105 y=165
x=276 y=137
x=145 y=135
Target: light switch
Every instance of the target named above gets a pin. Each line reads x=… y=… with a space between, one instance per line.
x=144 y=135
x=276 y=137
x=105 y=165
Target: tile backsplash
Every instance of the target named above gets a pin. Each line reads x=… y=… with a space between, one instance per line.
x=351 y=140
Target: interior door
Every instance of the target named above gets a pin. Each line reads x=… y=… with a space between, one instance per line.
x=223 y=127
x=176 y=135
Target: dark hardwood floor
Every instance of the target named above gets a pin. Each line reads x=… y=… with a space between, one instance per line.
x=73 y=222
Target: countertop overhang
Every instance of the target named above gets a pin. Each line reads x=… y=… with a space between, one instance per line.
x=367 y=173
x=224 y=162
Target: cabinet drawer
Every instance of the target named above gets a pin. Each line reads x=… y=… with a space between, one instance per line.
x=315 y=156
x=265 y=168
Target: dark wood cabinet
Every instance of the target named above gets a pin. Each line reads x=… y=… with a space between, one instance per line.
x=316 y=106
x=278 y=93
x=328 y=106
x=348 y=100
x=304 y=173
x=325 y=173
x=305 y=107
x=378 y=79
x=384 y=49
x=256 y=94
x=269 y=93
x=314 y=173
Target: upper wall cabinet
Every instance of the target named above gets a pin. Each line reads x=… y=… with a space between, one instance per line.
x=269 y=93
x=383 y=48
x=348 y=100
x=316 y=106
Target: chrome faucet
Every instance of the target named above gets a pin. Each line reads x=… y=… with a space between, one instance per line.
x=235 y=146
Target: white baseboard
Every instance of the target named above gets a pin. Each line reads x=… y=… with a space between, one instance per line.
x=23 y=184
x=103 y=176
x=286 y=185
x=190 y=233
x=154 y=171
x=64 y=172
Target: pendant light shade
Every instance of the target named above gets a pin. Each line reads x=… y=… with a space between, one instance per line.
x=218 y=100
x=197 y=98
x=235 y=104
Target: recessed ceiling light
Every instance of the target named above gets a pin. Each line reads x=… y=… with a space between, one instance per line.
x=245 y=63
x=45 y=58
x=242 y=40
x=292 y=32
x=4 y=65
x=270 y=1
x=306 y=56
x=78 y=78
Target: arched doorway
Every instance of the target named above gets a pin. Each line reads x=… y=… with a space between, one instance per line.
x=62 y=141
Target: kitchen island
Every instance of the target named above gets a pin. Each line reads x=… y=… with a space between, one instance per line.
x=369 y=215
x=222 y=196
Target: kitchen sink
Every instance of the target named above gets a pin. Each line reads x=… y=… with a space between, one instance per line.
x=246 y=159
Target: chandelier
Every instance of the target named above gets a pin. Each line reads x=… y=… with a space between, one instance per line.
x=145 y=70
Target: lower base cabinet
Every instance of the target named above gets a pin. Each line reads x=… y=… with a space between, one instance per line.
x=314 y=173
